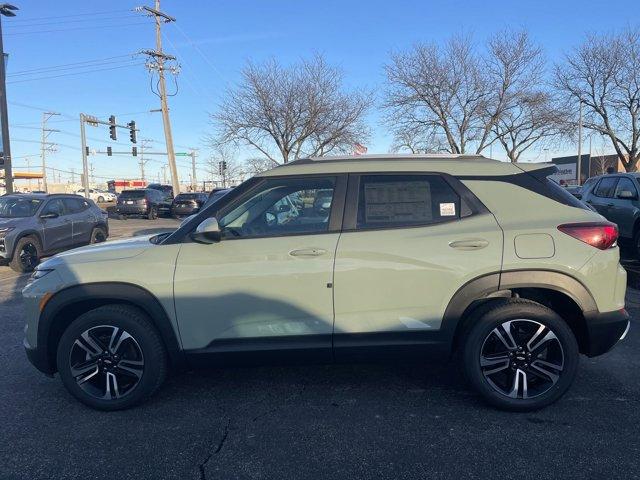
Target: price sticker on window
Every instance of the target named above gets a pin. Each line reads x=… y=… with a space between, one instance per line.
x=447 y=209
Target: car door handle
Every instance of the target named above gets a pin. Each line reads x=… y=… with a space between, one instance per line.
x=473 y=244
x=307 y=252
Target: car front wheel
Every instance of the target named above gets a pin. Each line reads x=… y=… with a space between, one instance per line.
x=520 y=355
x=26 y=255
x=111 y=358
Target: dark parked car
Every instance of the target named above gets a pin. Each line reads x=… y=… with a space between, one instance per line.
x=143 y=202
x=216 y=195
x=164 y=209
x=615 y=197
x=35 y=225
x=188 y=203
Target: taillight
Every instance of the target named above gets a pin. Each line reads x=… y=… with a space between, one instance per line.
x=600 y=235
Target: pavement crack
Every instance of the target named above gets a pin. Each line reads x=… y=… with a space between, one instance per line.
x=203 y=464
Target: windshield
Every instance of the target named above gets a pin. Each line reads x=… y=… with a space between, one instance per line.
x=16 y=207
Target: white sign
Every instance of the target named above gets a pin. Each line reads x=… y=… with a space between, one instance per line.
x=566 y=174
x=447 y=209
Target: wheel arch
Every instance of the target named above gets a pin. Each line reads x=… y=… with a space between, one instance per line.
x=558 y=291
x=27 y=233
x=66 y=305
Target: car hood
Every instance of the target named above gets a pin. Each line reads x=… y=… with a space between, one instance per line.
x=10 y=222
x=98 y=252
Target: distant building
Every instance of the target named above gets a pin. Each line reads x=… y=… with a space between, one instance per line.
x=591 y=166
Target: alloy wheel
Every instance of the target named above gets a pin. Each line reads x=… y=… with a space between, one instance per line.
x=106 y=362
x=99 y=237
x=521 y=358
x=28 y=256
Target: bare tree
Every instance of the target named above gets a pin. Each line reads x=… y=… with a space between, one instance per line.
x=532 y=119
x=604 y=74
x=456 y=92
x=289 y=112
x=255 y=165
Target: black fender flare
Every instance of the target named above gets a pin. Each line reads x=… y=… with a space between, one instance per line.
x=102 y=293
x=484 y=287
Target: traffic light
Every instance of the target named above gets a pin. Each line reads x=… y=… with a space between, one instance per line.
x=86 y=150
x=112 y=128
x=134 y=151
x=222 y=167
x=109 y=152
x=132 y=131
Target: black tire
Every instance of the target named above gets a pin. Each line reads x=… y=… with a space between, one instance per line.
x=517 y=370
x=153 y=213
x=100 y=199
x=98 y=235
x=143 y=337
x=26 y=254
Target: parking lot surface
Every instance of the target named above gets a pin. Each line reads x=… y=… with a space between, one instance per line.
x=338 y=421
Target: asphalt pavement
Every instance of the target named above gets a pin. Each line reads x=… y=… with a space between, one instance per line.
x=335 y=421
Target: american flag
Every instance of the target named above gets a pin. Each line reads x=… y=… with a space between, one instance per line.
x=359 y=149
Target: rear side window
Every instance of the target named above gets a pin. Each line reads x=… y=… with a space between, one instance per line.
x=560 y=194
x=75 y=205
x=625 y=184
x=606 y=187
x=405 y=200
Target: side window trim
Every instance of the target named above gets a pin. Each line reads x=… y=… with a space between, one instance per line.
x=350 y=218
x=337 y=204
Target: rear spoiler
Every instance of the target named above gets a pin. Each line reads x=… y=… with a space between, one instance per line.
x=537 y=170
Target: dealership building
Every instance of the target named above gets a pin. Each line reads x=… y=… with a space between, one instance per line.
x=590 y=166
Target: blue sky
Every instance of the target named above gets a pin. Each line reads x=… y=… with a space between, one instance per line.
x=213 y=40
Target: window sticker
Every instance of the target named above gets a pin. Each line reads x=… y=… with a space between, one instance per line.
x=398 y=202
x=447 y=209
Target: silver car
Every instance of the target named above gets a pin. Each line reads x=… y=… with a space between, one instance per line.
x=35 y=225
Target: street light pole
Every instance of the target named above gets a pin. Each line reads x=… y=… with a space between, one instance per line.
x=6 y=10
x=579 y=166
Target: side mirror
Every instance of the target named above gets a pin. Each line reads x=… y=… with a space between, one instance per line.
x=627 y=195
x=49 y=215
x=207 y=232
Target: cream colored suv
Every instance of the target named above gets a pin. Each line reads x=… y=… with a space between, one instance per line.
x=345 y=259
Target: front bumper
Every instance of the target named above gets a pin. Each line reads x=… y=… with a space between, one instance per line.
x=604 y=330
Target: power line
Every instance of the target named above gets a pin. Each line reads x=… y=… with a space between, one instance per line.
x=93 y=27
x=64 y=22
x=77 y=73
x=64 y=66
x=73 y=15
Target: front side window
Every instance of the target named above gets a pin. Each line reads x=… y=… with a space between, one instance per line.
x=284 y=206
x=54 y=206
x=405 y=200
x=606 y=187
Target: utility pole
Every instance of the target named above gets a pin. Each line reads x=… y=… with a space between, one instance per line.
x=194 y=182
x=92 y=169
x=142 y=162
x=158 y=63
x=45 y=146
x=579 y=166
x=164 y=174
x=6 y=10
x=85 y=166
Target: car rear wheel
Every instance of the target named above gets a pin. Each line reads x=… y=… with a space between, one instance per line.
x=111 y=358
x=26 y=255
x=520 y=355
x=98 y=235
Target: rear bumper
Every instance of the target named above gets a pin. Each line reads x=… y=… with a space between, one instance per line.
x=132 y=209
x=604 y=330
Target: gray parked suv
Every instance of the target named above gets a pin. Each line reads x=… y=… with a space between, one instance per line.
x=615 y=197
x=35 y=225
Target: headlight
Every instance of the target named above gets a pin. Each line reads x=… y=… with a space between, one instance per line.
x=5 y=230
x=40 y=272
